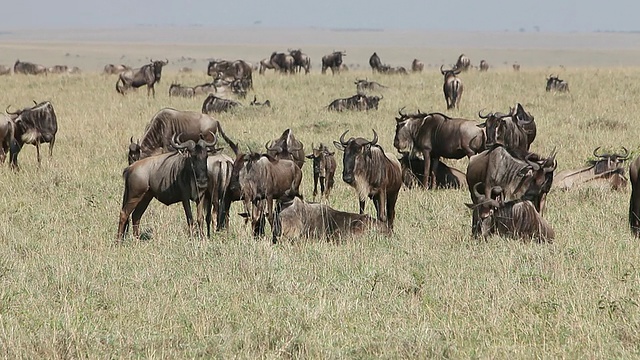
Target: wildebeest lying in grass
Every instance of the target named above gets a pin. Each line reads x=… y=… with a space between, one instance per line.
x=213 y=104
x=606 y=169
x=446 y=177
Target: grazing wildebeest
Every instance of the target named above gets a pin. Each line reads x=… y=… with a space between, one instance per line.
x=484 y=65
x=34 y=125
x=324 y=169
x=148 y=75
x=446 y=177
x=417 y=65
x=255 y=102
x=372 y=173
x=356 y=102
x=634 y=201
x=204 y=89
x=179 y=90
x=238 y=69
x=215 y=104
x=463 y=63
x=606 y=169
x=111 y=69
x=555 y=83
x=171 y=177
x=58 y=69
x=333 y=61
x=265 y=64
x=5 y=70
x=362 y=86
x=452 y=87
x=508 y=130
x=375 y=62
x=436 y=135
x=516 y=218
x=516 y=67
x=287 y=147
x=6 y=136
x=28 y=68
x=300 y=60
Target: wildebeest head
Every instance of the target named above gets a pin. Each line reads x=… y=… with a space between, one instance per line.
x=373 y=101
x=406 y=127
x=197 y=153
x=157 y=68
x=606 y=162
x=496 y=125
x=551 y=82
x=484 y=207
x=449 y=73
x=355 y=149
x=134 y=151
x=317 y=155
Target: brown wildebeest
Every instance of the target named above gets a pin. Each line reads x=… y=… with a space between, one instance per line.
x=373 y=173
x=5 y=70
x=219 y=168
x=182 y=91
x=463 y=63
x=27 y=68
x=111 y=69
x=6 y=136
x=446 y=177
x=170 y=178
x=356 y=102
x=362 y=86
x=417 y=65
x=515 y=130
x=300 y=60
x=436 y=135
x=452 y=87
x=634 y=201
x=333 y=61
x=213 y=104
x=516 y=67
x=265 y=64
x=484 y=65
x=34 y=125
x=390 y=70
x=375 y=62
x=282 y=62
x=555 y=83
x=287 y=147
x=134 y=151
x=238 y=69
x=148 y=75
x=324 y=169
x=606 y=169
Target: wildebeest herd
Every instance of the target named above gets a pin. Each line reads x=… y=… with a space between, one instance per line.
x=178 y=157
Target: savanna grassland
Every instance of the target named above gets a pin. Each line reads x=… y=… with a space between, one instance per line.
x=428 y=291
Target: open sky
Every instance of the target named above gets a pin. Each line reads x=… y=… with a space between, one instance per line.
x=460 y=15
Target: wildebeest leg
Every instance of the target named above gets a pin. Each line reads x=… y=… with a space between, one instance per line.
x=140 y=208
x=51 y=143
x=361 y=207
x=322 y=185
x=269 y=209
x=381 y=206
x=427 y=168
x=14 y=149
x=208 y=202
x=446 y=98
x=128 y=205
x=38 y=150
x=634 y=212
x=186 y=205
x=391 y=209
x=315 y=185
x=434 y=170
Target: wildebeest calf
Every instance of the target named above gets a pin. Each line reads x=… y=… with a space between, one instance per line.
x=324 y=169
x=215 y=104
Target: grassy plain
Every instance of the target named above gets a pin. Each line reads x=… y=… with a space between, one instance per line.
x=428 y=291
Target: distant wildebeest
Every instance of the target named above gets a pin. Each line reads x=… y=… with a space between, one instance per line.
x=148 y=75
x=446 y=177
x=300 y=60
x=515 y=218
x=463 y=63
x=282 y=62
x=324 y=169
x=515 y=130
x=111 y=69
x=387 y=69
x=238 y=69
x=265 y=64
x=344 y=68
x=6 y=136
x=179 y=90
x=375 y=62
x=606 y=169
x=356 y=102
x=362 y=86
x=28 y=68
x=74 y=70
x=287 y=147
x=436 y=135
x=204 y=89
x=214 y=104
x=452 y=87
x=185 y=70
x=417 y=65
x=516 y=67
x=5 y=70
x=634 y=201
x=34 y=125
x=58 y=69
x=333 y=61
x=372 y=173
x=555 y=83
x=171 y=177
x=484 y=65
x=255 y=102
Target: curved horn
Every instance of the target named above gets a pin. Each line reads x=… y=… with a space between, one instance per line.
x=210 y=144
x=297 y=148
x=625 y=156
x=10 y=113
x=483 y=117
x=479 y=197
x=400 y=112
x=34 y=102
x=441 y=71
x=268 y=145
x=175 y=142
x=166 y=61
x=595 y=152
x=131 y=140
x=375 y=138
x=381 y=96
x=342 y=138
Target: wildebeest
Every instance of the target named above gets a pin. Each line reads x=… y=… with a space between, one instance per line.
x=436 y=135
x=606 y=169
x=215 y=104
x=356 y=102
x=555 y=83
x=287 y=147
x=219 y=168
x=170 y=178
x=509 y=129
x=300 y=60
x=282 y=62
x=446 y=177
x=452 y=87
x=344 y=68
x=417 y=65
x=204 y=89
x=516 y=67
x=333 y=61
x=111 y=69
x=148 y=75
x=134 y=151
x=375 y=62
x=387 y=69
x=5 y=70
x=634 y=201
x=238 y=69
x=255 y=102
x=74 y=70
x=6 y=136
x=324 y=169
x=372 y=173
x=484 y=65
x=179 y=90
x=58 y=69
x=265 y=64
x=34 y=125
x=362 y=86
x=463 y=63
x=28 y=68
x=371 y=102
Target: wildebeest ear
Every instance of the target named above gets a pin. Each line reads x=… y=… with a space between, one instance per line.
x=366 y=149
x=338 y=145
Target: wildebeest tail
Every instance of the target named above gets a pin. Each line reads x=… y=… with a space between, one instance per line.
x=125 y=176
x=233 y=145
x=454 y=94
x=118 y=88
x=634 y=219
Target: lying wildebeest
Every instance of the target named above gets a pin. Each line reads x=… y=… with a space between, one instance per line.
x=509 y=129
x=236 y=86
x=372 y=102
x=215 y=104
x=362 y=86
x=58 y=69
x=265 y=64
x=255 y=102
x=301 y=60
x=436 y=135
x=34 y=125
x=484 y=65
x=287 y=147
x=324 y=169
x=375 y=62
x=554 y=83
x=333 y=61
x=5 y=70
x=516 y=67
x=282 y=62
x=463 y=63
x=6 y=136
x=452 y=87
x=28 y=68
x=356 y=102
x=417 y=65
x=634 y=201
x=111 y=69
x=148 y=75
x=204 y=89
x=179 y=90
x=446 y=177
x=387 y=69
x=372 y=173
x=238 y=69
x=607 y=169
x=170 y=178
x=515 y=218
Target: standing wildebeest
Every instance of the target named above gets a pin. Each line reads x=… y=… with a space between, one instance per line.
x=356 y=102
x=375 y=63
x=111 y=69
x=265 y=64
x=219 y=168
x=324 y=169
x=446 y=177
x=333 y=61
x=134 y=151
x=5 y=70
x=300 y=60
x=373 y=173
x=58 y=69
x=287 y=147
x=452 y=87
x=215 y=104
x=417 y=65
x=28 y=68
x=607 y=168
x=463 y=63
x=555 y=83
x=255 y=102
x=509 y=129
x=282 y=62
x=179 y=90
x=147 y=75
x=484 y=65
x=6 y=136
x=362 y=86
x=34 y=125
x=435 y=135
x=170 y=178
x=516 y=67
x=634 y=201
x=238 y=69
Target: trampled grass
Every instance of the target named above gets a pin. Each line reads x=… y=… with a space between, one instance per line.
x=429 y=290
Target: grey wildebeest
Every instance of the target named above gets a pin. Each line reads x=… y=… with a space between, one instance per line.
x=238 y=69
x=182 y=91
x=372 y=173
x=324 y=169
x=5 y=70
x=515 y=218
x=148 y=75
x=516 y=67
x=265 y=64
x=111 y=69
x=484 y=65
x=355 y=102
x=300 y=60
x=333 y=61
x=452 y=87
x=362 y=86
x=375 y=62
x=171 y=177
x=606 y=169
x=27 y=68
x=446 y=177
x=6 y=136
x=204 y=89
x=417 y=65
x=34 y=125
x=555 y=83
x=436 y=135
x=282 y=62
x=463 y=63
x=390 y=70
x=255 y=102
x=634 y=201
x=287 y=147
x=515 y=130
x=213 y=104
